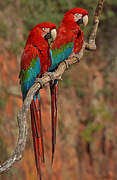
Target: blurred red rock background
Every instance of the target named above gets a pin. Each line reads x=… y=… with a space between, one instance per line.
x=87 y=105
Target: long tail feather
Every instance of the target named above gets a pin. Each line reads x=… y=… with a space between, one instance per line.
x=36 y=145
x=54 y=95
x=37 y=134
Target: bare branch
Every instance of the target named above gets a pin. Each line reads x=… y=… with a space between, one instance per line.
x=93 y=33
x=23 y=129
x=22 y=116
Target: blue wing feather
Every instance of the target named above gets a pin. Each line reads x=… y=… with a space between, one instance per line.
x=59 y=55
x=29 y=75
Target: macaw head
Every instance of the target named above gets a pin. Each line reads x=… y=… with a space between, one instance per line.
x=47 y=30
x=76 y=16
x=42 y=31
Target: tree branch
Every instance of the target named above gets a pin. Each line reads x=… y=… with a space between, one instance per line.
x=22 y=116
x=96 y=19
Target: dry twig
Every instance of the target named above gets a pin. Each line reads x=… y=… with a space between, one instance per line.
x=22 y=116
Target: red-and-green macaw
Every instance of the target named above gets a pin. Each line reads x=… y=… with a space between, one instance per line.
x=35 y=61
x=38 y=58
x=69 y=41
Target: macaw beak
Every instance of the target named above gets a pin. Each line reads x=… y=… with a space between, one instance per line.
x=47 y=36
x=53 y=34
x=85 y=20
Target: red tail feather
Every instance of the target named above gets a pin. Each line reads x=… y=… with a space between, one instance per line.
x=37 y=134
x=54 y=94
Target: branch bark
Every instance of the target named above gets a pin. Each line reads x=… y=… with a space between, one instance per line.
x=96 y=19
x=22 y=116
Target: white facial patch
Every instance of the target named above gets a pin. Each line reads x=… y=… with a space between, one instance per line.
x=77 y=17
x=47 y=30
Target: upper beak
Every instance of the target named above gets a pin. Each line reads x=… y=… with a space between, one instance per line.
x=53 y=34
x=85 y=20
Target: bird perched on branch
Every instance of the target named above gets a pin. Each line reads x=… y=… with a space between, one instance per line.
x=38 y=58
x=68 y=42
x=35 y=61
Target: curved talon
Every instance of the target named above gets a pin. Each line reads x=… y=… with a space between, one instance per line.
x=38 y=80
x=51 y=75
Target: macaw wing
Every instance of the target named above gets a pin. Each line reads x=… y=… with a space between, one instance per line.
x=28 y=75
x=30 y=69
x=60 y=54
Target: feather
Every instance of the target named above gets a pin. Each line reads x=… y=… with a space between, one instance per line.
x=60 y=54
x=54 y=95
x=37 y=132
x=35 y=61
x=69 y=39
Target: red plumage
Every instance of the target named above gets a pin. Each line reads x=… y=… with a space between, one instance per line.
x=68 y=32
x=36 y=46
x=37 y=50
x=54 y=96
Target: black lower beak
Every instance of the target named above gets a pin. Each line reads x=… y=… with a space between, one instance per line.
x=47 y=36
x=80 y=21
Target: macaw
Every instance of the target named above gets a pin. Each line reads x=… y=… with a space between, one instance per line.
x=38 y=59
x=35 y=61
x=68 y=42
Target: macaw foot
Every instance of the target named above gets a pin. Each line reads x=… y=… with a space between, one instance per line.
x=51 y=75
x=73 y=55
x=67 y=64
x=38 y=80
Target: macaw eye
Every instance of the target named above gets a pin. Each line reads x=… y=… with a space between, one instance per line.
x=78 y=15
x=44 y=29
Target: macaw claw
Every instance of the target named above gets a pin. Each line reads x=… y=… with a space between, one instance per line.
x=51 y=75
